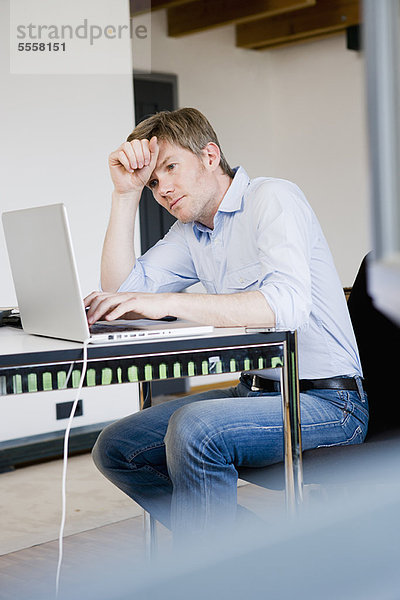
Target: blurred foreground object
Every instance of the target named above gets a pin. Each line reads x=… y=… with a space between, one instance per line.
x=382 y=54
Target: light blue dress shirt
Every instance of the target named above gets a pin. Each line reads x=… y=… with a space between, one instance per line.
x=266 y=237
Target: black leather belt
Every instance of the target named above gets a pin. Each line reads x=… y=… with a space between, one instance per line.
x=260 y=384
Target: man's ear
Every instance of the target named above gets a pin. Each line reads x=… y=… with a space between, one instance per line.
x=211 y=156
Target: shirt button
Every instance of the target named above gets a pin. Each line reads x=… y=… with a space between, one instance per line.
x=241 y=280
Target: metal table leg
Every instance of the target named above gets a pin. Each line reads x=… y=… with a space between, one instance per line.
x=291 y=422
x=150 y=535
x=144 y=394
x=149 y=522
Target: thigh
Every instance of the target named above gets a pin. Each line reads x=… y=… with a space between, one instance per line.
x=248 y=431
x=240 y=430
x=140 y=436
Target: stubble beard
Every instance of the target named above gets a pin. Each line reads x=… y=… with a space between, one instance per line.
x=202 y=208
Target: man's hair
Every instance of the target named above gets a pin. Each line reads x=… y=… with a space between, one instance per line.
x=186 y=127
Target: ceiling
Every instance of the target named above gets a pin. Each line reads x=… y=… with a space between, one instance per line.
x=259 y=24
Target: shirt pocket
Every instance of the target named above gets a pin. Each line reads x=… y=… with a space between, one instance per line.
x=245 y=278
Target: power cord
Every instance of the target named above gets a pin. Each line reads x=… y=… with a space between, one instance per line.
x=65 y=459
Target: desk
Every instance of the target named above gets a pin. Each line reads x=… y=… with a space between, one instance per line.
x=32 y=364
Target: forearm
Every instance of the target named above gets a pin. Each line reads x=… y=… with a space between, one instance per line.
x=222 y=310
x=118 y=255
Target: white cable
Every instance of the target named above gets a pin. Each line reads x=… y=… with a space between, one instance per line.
x=65 y=460
x=68 y=376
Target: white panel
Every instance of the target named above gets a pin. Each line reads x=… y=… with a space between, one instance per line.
x=24 y=415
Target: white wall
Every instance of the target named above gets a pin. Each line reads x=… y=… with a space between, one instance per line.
x=228 y=84
x=56 y=134
x=295 y=112
x=318 y=139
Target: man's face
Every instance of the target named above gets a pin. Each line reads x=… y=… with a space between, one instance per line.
x=184 y=184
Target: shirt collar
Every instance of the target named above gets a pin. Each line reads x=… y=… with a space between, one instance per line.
x=232 y=201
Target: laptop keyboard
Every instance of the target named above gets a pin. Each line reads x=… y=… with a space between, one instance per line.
x=105 y=328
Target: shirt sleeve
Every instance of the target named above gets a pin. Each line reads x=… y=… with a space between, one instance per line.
x=284 y=238
x=166 y=267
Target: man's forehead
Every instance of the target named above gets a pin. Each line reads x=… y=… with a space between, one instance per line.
x=168 y=152
x=168 y=149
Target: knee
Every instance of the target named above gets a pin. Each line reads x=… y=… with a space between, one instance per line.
x=183 y=425
x=187 y=434
x=100 y=451
x=107 y=452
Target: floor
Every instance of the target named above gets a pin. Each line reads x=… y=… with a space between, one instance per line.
x=101 y=522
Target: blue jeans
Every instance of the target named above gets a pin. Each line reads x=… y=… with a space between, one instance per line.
x=179 y=460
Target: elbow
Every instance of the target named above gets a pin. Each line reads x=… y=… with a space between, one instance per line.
x=292 y=308
x=294 y=316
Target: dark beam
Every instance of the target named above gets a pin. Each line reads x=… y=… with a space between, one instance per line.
x=138 y=7
x=327 y=17
x=207 y=14
x=353 y=38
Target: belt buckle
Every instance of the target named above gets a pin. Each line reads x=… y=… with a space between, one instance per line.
x=359 y=388
x=253 y=386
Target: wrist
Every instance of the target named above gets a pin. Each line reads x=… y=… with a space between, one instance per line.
x=169 y=304
x=130 y=196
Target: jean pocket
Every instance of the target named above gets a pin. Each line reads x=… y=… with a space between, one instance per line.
x=354 y=425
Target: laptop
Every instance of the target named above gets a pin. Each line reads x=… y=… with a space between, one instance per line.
x=47 y=287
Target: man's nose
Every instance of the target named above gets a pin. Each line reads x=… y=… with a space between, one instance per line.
x=165 y=186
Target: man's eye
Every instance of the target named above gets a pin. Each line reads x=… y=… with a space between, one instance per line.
x=171 y=166
x=152 y=184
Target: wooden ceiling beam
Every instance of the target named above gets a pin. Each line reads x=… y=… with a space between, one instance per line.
x=327 y=17
x=207 y=14
x=138 y=7
x=300 y=40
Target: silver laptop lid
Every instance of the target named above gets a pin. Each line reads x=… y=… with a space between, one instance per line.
x=44 y=271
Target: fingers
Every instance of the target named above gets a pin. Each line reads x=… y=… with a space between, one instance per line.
x=136 y=154
x=118 y=158
x=92 y=302
x=154 y=148
x=135 y=306
x=146 y=154
x=135 y=151
x=120 y=310
x=103 y=305
x=91 y=297
x=100 y=304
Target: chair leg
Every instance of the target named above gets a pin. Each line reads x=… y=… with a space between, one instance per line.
x=150 y=535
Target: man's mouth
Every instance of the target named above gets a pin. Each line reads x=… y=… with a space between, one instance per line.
x=174 y=202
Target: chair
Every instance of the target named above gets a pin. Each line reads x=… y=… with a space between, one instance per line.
x=378 y=341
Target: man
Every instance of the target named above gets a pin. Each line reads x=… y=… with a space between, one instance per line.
x=259 y=251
